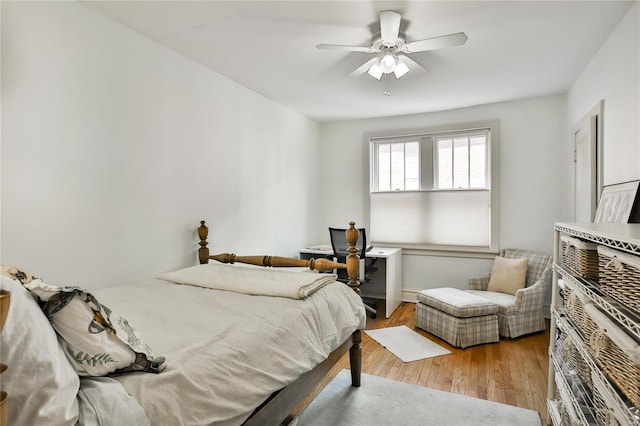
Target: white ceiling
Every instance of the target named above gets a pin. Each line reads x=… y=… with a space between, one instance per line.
x=516 y=49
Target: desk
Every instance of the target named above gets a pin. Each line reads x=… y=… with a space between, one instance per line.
x=387 y=280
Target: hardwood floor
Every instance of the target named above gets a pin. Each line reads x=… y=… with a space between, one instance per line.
x=513 y=371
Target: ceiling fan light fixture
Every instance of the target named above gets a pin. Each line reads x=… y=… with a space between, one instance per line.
x=400 y=69
x=375 y=70
x=387 y=63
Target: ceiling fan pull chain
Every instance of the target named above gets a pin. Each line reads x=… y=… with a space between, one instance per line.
x=387 y=85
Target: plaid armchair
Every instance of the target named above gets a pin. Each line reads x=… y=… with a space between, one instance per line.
x=522 y=313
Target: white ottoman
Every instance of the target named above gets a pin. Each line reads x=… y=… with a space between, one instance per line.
x=460 y=318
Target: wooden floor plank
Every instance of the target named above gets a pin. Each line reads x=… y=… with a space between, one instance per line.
x=513 y=371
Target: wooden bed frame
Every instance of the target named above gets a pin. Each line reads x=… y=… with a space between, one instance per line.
x=280 y=406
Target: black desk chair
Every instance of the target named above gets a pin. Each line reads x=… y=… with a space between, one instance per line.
x=340 y=252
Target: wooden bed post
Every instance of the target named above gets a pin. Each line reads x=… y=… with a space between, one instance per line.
x=203 y=251
x=353 y=260
x=355 y=358
x=353 y=269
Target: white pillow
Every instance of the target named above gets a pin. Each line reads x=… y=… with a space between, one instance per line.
x=41 y=383
x=508 y=275
x=96 y=340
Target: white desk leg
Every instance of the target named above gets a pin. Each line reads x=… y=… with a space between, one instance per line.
x=393 y=282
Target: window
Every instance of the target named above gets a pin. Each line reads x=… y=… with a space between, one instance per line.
x=398 y=166
x=436 y=189
x=461 y=161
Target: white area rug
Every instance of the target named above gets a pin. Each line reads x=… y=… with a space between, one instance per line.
x=406 y=344
x=384 y=402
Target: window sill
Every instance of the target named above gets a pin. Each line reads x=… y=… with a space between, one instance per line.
x=444 y=251
x=404 y=191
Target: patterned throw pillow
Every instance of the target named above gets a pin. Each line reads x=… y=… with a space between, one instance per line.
x=96 y=340
x=41 y=383
x=12 y=272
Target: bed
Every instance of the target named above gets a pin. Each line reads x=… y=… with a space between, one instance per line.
x=245 y=348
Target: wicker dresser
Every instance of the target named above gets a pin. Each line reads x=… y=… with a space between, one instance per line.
x=594 y=354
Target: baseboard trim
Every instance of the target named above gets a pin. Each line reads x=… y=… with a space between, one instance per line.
x=410 y=295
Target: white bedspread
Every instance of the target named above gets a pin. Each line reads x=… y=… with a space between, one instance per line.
x=227 y=352
x=256 y=281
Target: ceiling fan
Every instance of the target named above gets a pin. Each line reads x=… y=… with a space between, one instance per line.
x=392 y=50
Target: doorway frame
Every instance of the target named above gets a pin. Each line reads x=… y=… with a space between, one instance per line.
x=595 y=117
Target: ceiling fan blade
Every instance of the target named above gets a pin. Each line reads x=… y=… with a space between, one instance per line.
x=450 y=40
x=389 y=27
x=414 y=67
x=363 y=68
x=364 y=49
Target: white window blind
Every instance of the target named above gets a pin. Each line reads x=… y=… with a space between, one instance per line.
x=432 y=218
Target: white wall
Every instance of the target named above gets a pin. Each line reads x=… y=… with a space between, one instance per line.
x=613 y=74
x=114 y=148
x=532 y=134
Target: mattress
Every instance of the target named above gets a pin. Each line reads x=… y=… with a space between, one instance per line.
x=227 y=352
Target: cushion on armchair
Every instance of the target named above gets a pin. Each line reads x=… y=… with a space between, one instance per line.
x=521 y=309
x=508 y=275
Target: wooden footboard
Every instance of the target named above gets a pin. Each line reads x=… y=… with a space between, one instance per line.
x=352 y=264
x=281 y=404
